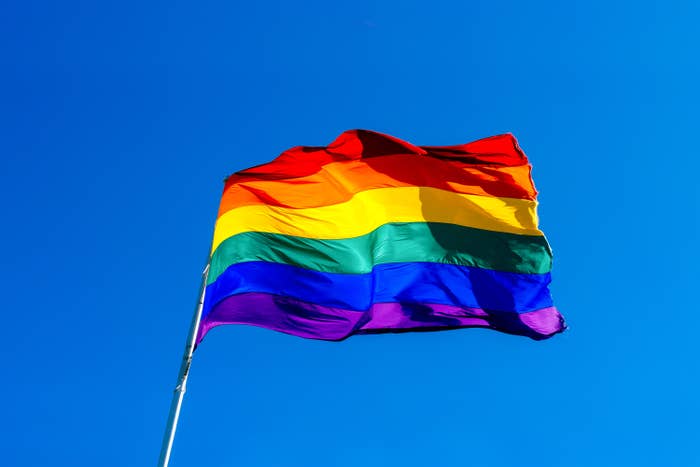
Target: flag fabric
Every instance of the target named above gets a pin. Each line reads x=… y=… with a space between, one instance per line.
x=374 y=234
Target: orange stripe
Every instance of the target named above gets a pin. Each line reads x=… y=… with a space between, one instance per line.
x=337 y=182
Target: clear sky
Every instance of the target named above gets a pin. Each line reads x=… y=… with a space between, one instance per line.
x=120 y=120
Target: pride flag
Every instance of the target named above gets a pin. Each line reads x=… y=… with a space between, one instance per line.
x=373 y=234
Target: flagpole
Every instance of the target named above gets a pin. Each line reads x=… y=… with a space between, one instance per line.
x=181 y=386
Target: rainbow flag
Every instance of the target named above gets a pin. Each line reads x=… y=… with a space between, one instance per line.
x=373 y=234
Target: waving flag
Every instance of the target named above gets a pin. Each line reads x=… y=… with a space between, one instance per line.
x=373 y=234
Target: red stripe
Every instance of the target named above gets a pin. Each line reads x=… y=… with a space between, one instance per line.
x=300 y=161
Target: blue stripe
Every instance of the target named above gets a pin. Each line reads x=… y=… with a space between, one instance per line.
x=436 y=283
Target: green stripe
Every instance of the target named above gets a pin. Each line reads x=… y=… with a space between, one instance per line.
x=390 y=243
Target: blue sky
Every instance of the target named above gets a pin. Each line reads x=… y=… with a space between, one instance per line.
x=120 y=120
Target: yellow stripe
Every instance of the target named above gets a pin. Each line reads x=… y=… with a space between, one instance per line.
x=370 y=209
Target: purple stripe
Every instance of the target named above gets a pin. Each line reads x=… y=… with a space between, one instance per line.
x=313 y=321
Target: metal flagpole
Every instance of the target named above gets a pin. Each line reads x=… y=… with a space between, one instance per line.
x=181 y=387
